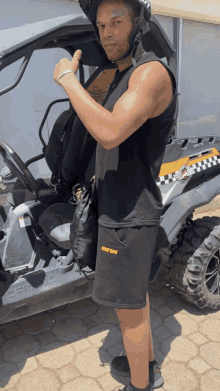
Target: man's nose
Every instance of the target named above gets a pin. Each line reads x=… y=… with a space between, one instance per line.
x=108 y=32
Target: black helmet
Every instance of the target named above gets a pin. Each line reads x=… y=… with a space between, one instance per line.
x=90 y=7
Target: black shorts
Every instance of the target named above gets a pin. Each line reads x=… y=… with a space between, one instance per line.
x=123 y=264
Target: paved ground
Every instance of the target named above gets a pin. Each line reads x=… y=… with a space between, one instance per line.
x=70 y=348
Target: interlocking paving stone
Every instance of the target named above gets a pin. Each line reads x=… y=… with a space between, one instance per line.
x=19 y=348
x=211 y=328
x=39 y=380
x=117 y=350
x=107 y=314
x=108 y=383
x=91 y=321
x=156 y=342
x=55 y=355
x=45 y=338
x=1 y=357
x=165 y=292
x=214 y=315
x=198 y=338
x=36 y=324
x=80 y=345
x=179 y=349
x=104 y=335
x=211 y=381
x=93 y=362
x=178 y=304
x=156 y=300
x=164 y=310
x=161 y=358
x=162 y=332
x=178 y=378
x=12 y=331
x=9 y=375
x=210 y=352
x=82 y=384
x=1 y=338
x=118 y=326
x=69 y=330
x=68 y=372
x=181 y=324
x=28 y=365
x=199 y=365
x=90 y=337
x=172 y=324
x=198 y=315
x=156 y=285
x=59 y=314
x=81 y=309
x=155 y=319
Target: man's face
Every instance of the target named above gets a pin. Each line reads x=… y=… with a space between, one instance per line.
x=114 y=22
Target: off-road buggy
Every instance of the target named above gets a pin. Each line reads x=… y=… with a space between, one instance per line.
x=37 y=269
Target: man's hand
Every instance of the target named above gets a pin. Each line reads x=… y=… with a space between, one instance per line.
x=65 y=65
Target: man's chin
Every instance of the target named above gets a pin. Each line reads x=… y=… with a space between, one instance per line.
x=113 y=57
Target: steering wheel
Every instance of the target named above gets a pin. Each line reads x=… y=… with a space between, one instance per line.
x=17 y=166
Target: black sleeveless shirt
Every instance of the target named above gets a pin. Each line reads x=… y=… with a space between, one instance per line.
x=125 y=176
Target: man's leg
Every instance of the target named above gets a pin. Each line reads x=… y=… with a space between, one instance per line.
x=136 y=333
x=151 y=347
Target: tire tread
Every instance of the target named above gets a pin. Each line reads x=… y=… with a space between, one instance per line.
x=196 y=241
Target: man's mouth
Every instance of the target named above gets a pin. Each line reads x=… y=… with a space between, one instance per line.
x=109 y=45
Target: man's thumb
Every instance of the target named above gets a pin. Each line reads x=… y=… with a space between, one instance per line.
x=78 y=54
x=76 y=57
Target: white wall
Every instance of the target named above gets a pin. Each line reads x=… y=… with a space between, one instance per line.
x=198 y=10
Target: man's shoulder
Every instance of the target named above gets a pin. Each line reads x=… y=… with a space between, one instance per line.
x=152 y=79
x=151 y=71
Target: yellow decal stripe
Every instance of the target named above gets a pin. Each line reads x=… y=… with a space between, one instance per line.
x=169 y=168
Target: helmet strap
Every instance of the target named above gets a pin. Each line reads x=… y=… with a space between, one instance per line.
x=135 y=45
x=136 y=36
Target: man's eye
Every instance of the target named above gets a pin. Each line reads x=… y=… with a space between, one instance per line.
x=116 y=22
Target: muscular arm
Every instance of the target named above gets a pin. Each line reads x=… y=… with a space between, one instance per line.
x=148 y=88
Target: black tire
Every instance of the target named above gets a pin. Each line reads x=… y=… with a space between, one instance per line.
x=196 y=253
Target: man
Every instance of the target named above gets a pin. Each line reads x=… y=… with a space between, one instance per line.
x=131 y=131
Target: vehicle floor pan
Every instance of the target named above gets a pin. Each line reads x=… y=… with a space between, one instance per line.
x=42 y=290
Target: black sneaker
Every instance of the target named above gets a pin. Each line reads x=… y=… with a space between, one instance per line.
x=120 y=367
x=130 y=388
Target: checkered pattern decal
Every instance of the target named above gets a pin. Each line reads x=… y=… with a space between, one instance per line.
x=189 y=170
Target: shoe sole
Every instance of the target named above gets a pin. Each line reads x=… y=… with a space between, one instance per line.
x=159 y=383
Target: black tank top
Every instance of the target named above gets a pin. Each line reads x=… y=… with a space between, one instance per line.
x=127 y=193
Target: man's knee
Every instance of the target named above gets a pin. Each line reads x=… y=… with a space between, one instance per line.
x=130 y=318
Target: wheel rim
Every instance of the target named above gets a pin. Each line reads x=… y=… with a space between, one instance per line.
x=212 y=275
